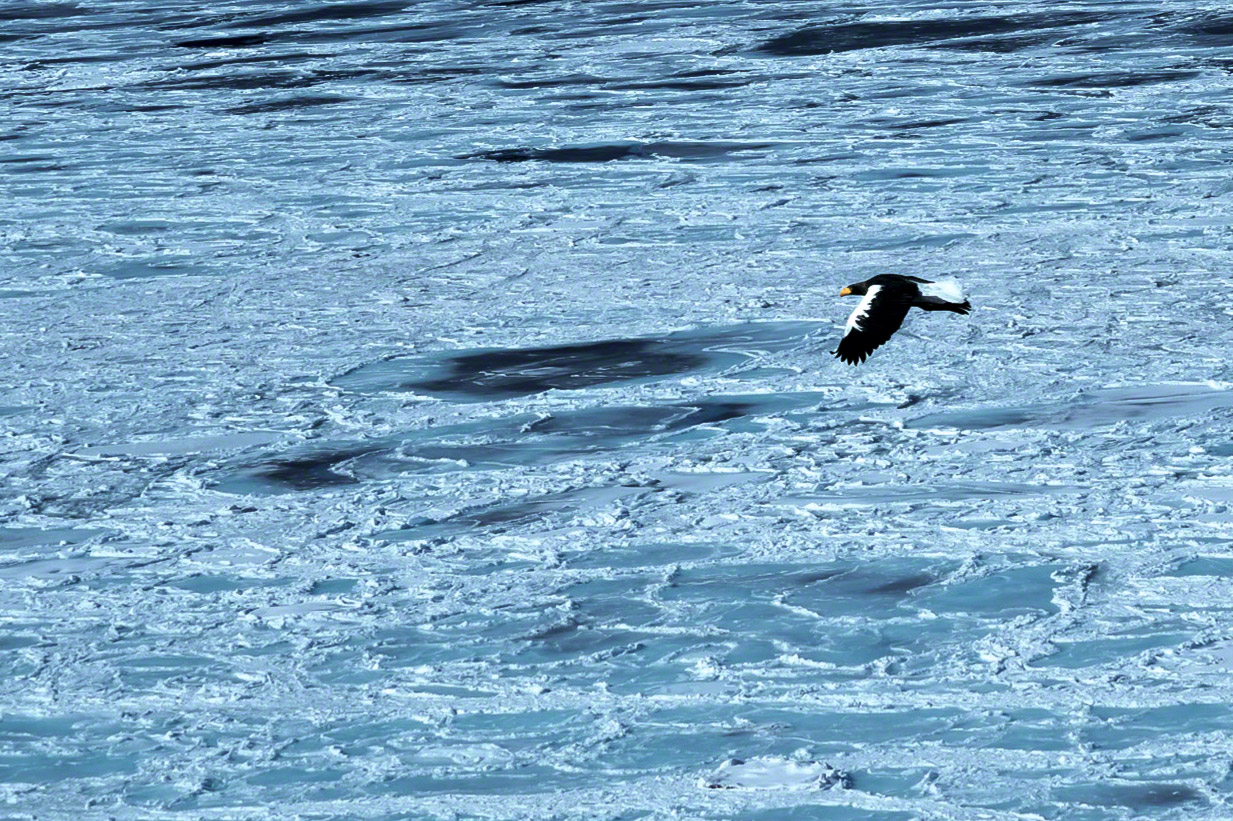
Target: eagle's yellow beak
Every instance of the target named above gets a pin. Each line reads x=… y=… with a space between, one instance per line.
x=845 y=291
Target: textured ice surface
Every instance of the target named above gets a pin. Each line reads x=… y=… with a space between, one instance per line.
x=773 y=774
x=423 y=410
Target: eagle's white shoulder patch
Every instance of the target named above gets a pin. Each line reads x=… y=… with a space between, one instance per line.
x=947 y=290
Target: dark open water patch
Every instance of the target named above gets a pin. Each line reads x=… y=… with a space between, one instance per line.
x=607 y=152
x=842 y=37
x=1104 y=407
x=520 y=441
x=496 y=374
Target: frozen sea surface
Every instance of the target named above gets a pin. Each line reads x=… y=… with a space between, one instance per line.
x=423 y=410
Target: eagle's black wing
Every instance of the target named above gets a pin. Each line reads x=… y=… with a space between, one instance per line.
x=873 y=322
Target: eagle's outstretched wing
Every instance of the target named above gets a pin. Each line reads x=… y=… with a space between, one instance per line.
x=873 y=322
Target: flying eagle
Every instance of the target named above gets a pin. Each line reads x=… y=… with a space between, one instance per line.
x=887 y=298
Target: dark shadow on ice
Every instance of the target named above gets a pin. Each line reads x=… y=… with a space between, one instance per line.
x=504 y=516
x=831 y=589
x=852 y=588
x=239 y=41
x=19 y=538
x=289 y=104
x=1204 y=566
x=878 y=34
x=1103 y=407
x=40 y=10
x=902 y=586
x=648 y=556
x=310 y=472
x=846 y=611
x=1136 y=796
x=1113 y=79
x=679 y=85
x=551 y=82
x=1210 y=30
x=501 y=517
x=494 y=374
x=1005 y=592
x=889 y=494
x=522 y=440
x=607 y=152
x=317 y=13
x=247 y=81
x=296 y=32
x=997 y=44
x=502 y=374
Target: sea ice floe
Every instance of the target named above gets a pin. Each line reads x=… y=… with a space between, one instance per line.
x=774 y=773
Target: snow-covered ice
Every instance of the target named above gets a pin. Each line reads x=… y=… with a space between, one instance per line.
x=423 y=410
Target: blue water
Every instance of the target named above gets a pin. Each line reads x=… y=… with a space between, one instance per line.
x=424 y=410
